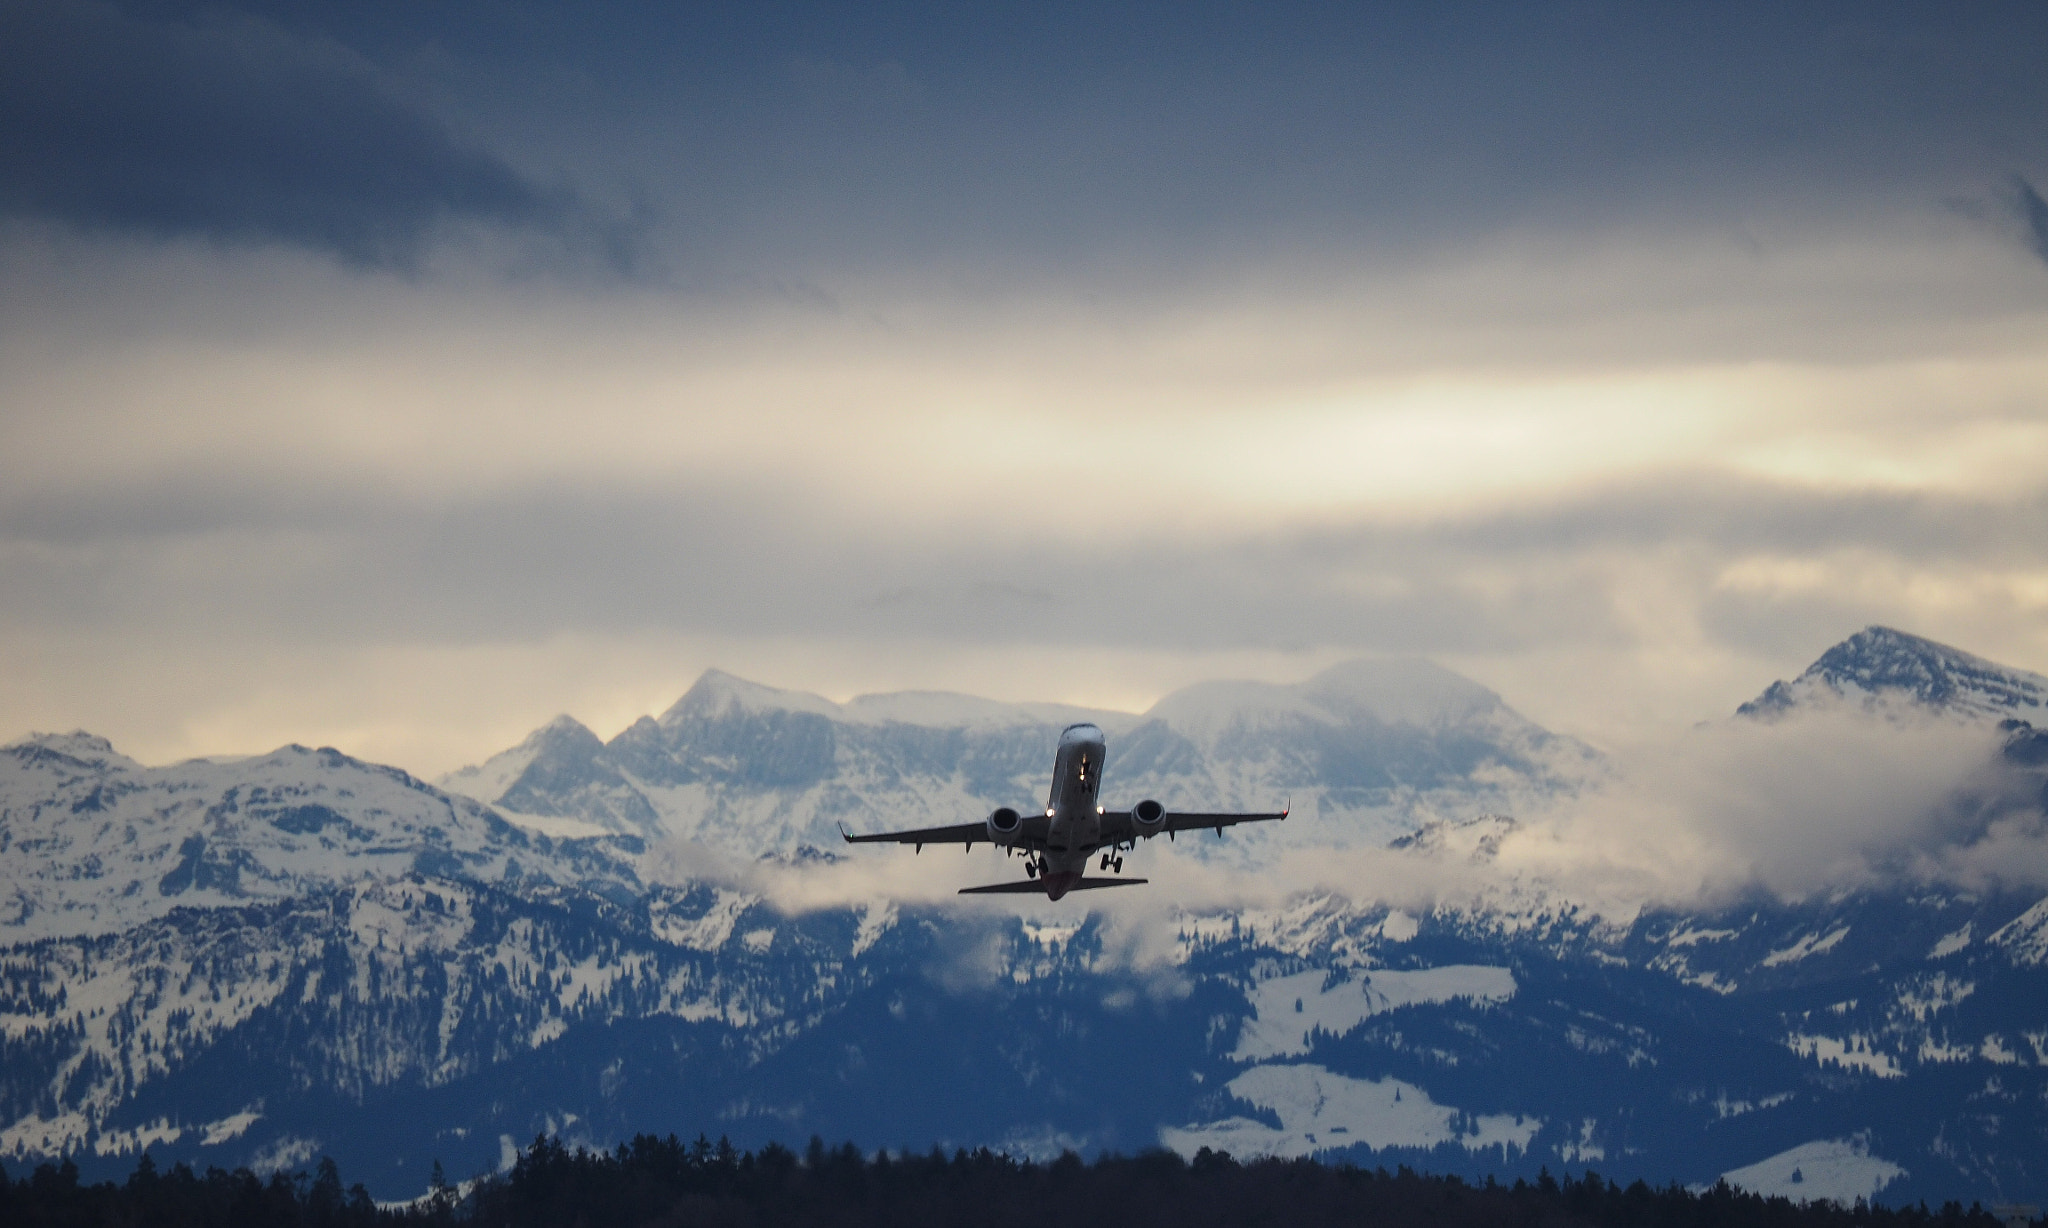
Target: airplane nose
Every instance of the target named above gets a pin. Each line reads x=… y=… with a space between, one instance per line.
x=1080 y=733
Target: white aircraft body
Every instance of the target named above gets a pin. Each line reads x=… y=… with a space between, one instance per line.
x=1058 y=843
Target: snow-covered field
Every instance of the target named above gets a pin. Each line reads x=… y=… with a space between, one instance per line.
x=1321 y=1111
x=1840 y=1170
x=1288 y=1008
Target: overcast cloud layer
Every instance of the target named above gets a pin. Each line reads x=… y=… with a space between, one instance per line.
x=397 y=378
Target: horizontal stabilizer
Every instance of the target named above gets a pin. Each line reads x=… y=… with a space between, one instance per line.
x=1033 y=887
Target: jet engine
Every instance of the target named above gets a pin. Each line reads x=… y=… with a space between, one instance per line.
x=1003 y=825
x=1149 y=817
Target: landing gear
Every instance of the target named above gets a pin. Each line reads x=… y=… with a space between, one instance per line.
x=1111 y=861
x=1031 y=869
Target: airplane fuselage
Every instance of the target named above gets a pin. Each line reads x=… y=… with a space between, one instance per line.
x=1073 y=816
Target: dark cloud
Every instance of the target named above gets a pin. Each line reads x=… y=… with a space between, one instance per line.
x=785 y=140
x=239 y=132
x=2034 y=213
x=783 y=136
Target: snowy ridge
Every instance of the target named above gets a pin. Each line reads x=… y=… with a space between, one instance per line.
x=92 y=842
x=1878 y=664
x=2025 y=938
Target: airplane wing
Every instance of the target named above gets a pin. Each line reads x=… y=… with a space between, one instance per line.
x=1117 y=827
x=1028 y=887
x=958 y=833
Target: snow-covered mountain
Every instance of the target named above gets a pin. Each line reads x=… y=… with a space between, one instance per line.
x=1366 y=750
x=92 y=842
x=262 y=960
x=1878 y=664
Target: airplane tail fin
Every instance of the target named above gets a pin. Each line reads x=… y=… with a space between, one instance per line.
x=1033 y=887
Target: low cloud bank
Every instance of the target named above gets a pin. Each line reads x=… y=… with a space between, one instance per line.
x=1824 y=799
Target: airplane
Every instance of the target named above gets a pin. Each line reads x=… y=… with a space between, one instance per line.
x=1058 y=843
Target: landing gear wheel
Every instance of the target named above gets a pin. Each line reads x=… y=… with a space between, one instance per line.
x=1118 y=864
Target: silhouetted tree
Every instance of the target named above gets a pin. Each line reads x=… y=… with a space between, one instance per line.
x=662 y=1182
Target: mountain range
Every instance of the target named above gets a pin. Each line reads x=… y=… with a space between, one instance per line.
x=264 y=960
x=1365 y=749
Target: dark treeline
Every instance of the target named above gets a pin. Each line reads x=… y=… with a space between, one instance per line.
x=667 y=1183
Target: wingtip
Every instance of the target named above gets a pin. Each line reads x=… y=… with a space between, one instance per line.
x=845 y=834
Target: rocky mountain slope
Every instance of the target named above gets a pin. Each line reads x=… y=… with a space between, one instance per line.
x=263 y=960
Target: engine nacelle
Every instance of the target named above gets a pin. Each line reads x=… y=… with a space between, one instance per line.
x=1149 y=817
x=1003 y=825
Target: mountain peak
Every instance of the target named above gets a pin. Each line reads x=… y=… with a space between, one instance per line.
x=562 y=741
x=564 y=732
x=1885 y=662
x=717 y=692
x=88 y=748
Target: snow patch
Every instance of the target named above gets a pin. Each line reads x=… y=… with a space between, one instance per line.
x=288 y=1151
x=1932 y=1050
x=1993 y=1050
x=1951 y=943
x=708 y=930
x=1839 y=1170
x=1289 y=1007
x=1812 y=944
x=1321 y=1111
x=1925 y=996
x=45 y=1135
x=1855 y=1052
x=1687 y=936
x=1582 y=1149
x=877 y=917
x=122 y=1142
x=1399 y=927
x=233 y=1126
x=1725 y=1108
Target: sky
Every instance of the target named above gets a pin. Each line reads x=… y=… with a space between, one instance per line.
x=397 y=376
